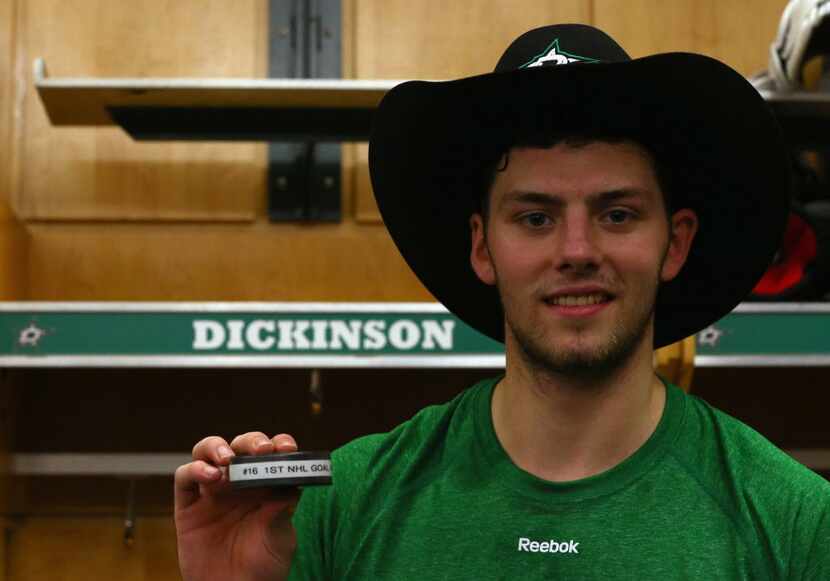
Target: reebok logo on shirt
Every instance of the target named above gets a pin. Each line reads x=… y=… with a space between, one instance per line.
x=549 y=546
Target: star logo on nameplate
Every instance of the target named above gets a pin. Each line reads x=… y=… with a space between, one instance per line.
x=710 y=336
x=30 y=336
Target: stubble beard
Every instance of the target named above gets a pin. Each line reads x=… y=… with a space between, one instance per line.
x=542 y=354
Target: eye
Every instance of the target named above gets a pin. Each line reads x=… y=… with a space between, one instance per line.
x=536 y=219
x=619 y=216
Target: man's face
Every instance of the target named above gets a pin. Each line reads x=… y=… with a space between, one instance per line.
x=577 y=241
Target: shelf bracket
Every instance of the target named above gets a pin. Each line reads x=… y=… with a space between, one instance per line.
x=304 y=177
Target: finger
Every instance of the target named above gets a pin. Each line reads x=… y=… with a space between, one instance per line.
x=214 y=450
x=187 y=479
x=252 y=443
x=284 y=443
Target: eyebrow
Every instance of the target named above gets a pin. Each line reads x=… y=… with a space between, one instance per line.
x=547 y=199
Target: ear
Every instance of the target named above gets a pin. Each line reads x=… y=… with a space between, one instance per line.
x=683 y=229
x=480 y=258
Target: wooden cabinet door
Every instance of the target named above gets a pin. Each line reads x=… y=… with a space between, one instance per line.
x=738 y=32
x=101 y=173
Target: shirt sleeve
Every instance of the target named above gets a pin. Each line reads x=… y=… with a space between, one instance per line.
x=313 y=525
x=814 y=535
x=321 y=507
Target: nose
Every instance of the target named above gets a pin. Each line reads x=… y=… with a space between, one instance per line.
x=577 y=251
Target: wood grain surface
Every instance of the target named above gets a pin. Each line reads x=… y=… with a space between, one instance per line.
x=737 y=32
x=101 y=174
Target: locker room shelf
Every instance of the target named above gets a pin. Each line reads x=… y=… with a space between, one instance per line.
x=165 y=464
x=215 y=109
x=68 y=464
x=281 y=109
x=798 y=103
x=804 y=116
x=345 y=335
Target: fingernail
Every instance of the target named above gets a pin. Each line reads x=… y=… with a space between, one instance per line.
x=212 y=471
x=286 y=442
x=225 y=452
x=263 y=442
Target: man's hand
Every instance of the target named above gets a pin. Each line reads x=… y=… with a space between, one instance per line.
x=224 y=534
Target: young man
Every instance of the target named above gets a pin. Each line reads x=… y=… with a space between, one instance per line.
x=597 y=200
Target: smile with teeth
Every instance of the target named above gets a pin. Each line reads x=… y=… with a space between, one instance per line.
x=578 y=300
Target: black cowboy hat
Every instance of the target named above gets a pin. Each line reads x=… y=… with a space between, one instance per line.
x=434 y=143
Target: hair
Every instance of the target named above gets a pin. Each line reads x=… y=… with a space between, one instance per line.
x=577 y=140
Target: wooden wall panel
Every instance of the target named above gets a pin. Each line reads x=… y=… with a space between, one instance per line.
x=89 y=174
x=12 y=257
x=12 y=235
x=436 y=39
x=110 y=177
x=41 y=549
x=738 y=32
x=63 y=532
x=218 y=262
x=14 y=242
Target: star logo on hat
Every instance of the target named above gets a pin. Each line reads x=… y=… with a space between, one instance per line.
x=553 y=55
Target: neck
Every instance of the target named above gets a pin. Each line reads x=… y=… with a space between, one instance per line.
x=563 y=428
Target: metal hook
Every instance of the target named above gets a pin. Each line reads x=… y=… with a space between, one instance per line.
x=129 y=519
x=315 y=391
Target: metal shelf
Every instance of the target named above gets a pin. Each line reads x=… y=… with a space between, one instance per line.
x=155 y=464
x=804 y=116
x=215 y=109
x=798 y=103
x=285 y=109
x=67 y=464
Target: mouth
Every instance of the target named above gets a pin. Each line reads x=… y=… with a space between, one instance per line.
x=579 y=303
x=578 y=300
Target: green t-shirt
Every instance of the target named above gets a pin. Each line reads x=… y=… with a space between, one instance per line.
x=706 y=497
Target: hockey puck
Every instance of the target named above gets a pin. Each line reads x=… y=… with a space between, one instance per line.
x=289 y=469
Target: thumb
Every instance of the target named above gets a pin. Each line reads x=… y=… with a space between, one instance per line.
x=277 y=515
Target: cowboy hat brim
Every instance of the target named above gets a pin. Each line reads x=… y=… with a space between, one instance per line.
x=433 y=143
